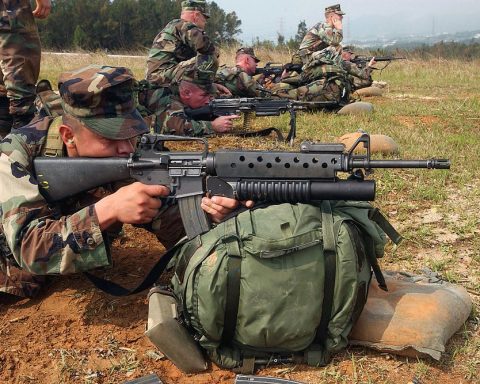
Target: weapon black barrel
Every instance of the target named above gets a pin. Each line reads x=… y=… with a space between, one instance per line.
x=295 y=191
x=429 y=164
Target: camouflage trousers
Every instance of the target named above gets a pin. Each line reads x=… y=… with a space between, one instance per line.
x=172 y=74
x=358 y=83
x=318 y=90
x=15 y=282
x=19 y=55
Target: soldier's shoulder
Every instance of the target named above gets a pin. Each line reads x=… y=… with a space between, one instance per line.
x=33 y=133
x=226 y=70
x=175 y=106
x=173 y=25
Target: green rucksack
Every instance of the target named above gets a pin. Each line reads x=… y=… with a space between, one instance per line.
x=285 y=281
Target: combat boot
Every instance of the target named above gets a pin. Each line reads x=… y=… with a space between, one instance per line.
x=6 y=119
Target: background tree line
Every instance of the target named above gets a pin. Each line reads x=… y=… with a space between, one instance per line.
x=122 y=24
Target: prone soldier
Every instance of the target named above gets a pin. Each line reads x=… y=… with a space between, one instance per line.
x=239 y=79
x=194 y=89
x=37 y=238
x=359 y=77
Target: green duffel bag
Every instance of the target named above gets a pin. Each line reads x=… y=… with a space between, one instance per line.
x=283 y=281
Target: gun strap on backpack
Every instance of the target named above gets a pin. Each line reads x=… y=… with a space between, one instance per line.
x=330 y=254
x=115 y=289
x=234 y=266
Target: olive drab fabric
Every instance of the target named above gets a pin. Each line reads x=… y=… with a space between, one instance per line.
x=283 y=279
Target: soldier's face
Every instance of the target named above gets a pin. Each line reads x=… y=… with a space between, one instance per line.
x=347 y=56
x=200 y=20
x=196 y=97
x=250 y=65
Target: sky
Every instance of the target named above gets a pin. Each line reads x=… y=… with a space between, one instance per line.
x=364 y=19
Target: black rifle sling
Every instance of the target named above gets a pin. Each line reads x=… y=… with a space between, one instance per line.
x=260 y=133
x=115 y=289
x=330 y=254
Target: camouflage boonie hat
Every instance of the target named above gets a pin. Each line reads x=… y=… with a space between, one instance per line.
x=102 y=98
x=195 y=5
x=334 y=8
x=348 y=48
x=247 y=51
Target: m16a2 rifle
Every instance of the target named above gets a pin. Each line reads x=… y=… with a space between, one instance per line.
x=274 y=70
x=261 y=107
x=362 y=61
x=268 y=176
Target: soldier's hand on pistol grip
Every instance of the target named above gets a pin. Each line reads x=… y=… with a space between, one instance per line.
x=136 y=203
x=224 y=124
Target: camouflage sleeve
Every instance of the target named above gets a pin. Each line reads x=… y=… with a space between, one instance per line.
x=42 y=240
x=321 y=33
x=179 y=124
x=354 y=70
x=197 y=39
x=247 y=85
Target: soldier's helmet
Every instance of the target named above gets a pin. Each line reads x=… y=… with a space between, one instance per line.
x=335 y=9
x=196 y=5
x=103 y=99
x=247 y=51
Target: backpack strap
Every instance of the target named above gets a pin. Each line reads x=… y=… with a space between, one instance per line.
x=234 y=266
x=375 y=215
x=330 y=254
x=54 y=144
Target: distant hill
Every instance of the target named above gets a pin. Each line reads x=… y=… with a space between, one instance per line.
x=413 y=41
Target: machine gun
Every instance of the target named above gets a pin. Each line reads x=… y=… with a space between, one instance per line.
x=275 y=70
x=261 y=107
x=362 y=61
x=270 y=176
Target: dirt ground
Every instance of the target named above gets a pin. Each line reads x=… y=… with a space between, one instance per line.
x=74 y=333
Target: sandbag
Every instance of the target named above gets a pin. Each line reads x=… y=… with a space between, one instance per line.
x=369 y=92
x=357 y=108
x=378 y=143
x=415 y=318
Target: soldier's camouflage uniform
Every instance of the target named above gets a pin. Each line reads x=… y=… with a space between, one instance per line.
x=179 y=45
x=166 y=112
x=317 y=38
x=42 y=239
x=64 y=238
x=19 y=57
x=327 y=77
x=359 y=77
x=238 y=82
